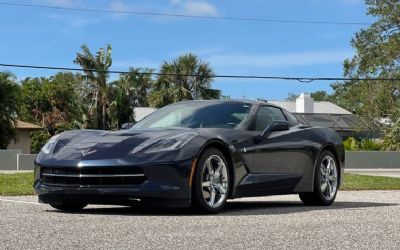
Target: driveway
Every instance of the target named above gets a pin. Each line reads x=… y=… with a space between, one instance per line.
x=358 y=220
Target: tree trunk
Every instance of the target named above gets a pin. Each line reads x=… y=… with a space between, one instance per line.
x=104 y=114
x=99 y=113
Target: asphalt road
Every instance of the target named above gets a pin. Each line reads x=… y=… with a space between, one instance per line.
x=358 y=220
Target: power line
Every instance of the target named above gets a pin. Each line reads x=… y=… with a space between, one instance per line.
x=183 y=15
x=300 y=79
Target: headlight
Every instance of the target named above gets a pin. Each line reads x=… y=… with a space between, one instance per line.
x=50 y=145
x=168 y=144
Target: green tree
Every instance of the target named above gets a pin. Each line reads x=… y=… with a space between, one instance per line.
x=96 y=72
x=51 y=102
x=392 y=138
x=9 y=108
x=377 y=55
x=185 y=78
x=129 y=91
x=121 y=107
x=39 y=139
x=318 y=96
x=137 y=83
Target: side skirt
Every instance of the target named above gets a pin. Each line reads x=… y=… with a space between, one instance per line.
x=267 y=184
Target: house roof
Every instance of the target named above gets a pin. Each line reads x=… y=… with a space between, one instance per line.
x=319 y=107
x=25 y=125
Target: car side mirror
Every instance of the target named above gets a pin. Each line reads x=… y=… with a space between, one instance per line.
x=274 y=126
x=127 y=125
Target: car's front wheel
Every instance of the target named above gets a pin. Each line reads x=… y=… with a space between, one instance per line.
x=211 y=182
x=69 y=206
x=325 y=181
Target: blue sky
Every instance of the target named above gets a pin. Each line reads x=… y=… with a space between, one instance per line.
x=52 y=37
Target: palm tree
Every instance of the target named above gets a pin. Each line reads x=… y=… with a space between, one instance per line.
x=9 y=108
x=129 y=91
x=96 y=70
x=136 y=85
x=186 y=78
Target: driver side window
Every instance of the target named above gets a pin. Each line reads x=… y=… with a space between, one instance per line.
x=266 y=115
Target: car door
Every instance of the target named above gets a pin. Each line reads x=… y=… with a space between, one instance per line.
x=283 y=156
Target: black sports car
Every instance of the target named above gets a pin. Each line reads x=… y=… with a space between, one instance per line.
x=193 y=153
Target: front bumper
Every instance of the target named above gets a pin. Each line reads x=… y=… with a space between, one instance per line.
x=166 y=184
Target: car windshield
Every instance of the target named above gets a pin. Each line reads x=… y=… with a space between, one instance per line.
x=198 y=115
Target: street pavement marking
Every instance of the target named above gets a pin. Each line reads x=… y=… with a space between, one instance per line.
x=24 y=202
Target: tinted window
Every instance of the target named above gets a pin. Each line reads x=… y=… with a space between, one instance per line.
x=291 y=119
x=266 y=115
x=198 y=115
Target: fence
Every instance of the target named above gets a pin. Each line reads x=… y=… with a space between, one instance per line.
x=15 y=160
x=372 y=159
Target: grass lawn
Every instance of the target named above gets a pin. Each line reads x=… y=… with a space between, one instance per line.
x=16 y=184
x=21 y=183
x=364 y=182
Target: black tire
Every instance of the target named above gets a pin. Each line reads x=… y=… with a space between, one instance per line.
x=69 y=206
x=317 y=197
x=199 y=203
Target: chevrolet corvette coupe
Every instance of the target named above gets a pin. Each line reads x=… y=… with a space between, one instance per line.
x=192 y=154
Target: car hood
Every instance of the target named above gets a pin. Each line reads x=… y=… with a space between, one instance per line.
x=98 y=145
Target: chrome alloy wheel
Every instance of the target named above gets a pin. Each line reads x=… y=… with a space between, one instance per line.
x=214 y=181
x=328 y=178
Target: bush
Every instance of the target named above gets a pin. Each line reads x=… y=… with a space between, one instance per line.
x=39 y=138
x=352 y=144
x=370 y=145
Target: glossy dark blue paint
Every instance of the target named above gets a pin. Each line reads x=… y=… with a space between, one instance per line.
x=281 y=163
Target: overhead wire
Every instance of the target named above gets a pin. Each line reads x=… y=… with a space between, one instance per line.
x=265 y=77
x=300 y=79
x=177 y=15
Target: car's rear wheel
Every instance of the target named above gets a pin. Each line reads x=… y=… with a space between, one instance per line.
x=69 y=206
x=211 y=182
x=325 y=181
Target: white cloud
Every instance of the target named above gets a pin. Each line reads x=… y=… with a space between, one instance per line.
x=119 y=6
x=184 y=7
x=199 y=8
x=282 y=60
x=62 y=3
x=74 y=21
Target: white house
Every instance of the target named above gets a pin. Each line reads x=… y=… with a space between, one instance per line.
x=142 y=112
x=321 y=114
x=306 y=104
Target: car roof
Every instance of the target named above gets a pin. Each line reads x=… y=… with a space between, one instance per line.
x=248 y=101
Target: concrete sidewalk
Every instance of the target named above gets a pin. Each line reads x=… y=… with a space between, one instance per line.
x=393 y=172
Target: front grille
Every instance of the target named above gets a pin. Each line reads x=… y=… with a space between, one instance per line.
x=92 y=176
